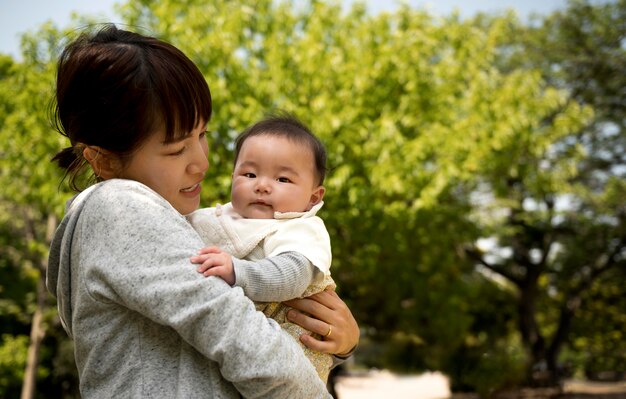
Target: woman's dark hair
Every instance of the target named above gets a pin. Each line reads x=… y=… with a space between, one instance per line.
x=116 y=88
x=288 y=126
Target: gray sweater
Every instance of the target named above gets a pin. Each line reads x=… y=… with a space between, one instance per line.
x=145 y=323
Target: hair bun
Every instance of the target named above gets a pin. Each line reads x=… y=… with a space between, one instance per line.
x=66 y=158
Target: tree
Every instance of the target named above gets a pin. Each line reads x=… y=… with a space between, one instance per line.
x=560 y=229
x=30 y=201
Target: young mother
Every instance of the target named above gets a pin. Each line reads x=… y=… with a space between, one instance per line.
x=143 y=321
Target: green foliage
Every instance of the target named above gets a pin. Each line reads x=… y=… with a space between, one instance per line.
x=12 y=361
x=490 y=357
x=599 y=330
x=30 y=199
x=486 y=372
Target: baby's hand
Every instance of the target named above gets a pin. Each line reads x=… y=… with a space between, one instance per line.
x=214 y=262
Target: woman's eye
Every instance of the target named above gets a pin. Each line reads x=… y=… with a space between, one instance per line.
x=179 y=152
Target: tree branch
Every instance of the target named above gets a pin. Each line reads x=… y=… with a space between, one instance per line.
x=477 y=255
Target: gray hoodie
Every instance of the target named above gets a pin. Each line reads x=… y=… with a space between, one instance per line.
x=145 y=323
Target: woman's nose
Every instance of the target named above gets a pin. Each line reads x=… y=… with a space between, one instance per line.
x=199 y=162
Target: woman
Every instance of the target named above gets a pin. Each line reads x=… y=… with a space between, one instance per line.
x=143 y=321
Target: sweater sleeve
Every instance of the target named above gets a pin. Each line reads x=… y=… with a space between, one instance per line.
x=275 y=279
x=135 y=256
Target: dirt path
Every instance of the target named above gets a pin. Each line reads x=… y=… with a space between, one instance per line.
x=383 y=384
x=386 y=385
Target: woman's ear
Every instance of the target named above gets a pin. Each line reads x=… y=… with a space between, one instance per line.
x=316 y=196
x=103 y=162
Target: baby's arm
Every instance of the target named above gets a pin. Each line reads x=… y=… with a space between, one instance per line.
x=215 y=262
x=275 y=279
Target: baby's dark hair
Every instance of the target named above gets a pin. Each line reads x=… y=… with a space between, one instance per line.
x=290 y=127
x=116 y=88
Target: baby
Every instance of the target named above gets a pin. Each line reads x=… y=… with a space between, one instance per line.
x=268 y=240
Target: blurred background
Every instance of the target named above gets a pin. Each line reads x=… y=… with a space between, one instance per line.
x=477 y=198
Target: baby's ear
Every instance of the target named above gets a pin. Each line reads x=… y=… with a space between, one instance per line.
x=317 y=196
x=104 y=163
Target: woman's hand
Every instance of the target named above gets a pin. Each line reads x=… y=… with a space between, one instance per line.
x=327 y=315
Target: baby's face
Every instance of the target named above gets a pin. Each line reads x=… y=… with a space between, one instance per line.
x=274 y=174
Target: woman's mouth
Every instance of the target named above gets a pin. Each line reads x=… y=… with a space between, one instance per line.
x=191 y=189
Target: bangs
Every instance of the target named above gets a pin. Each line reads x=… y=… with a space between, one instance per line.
x=182 y=99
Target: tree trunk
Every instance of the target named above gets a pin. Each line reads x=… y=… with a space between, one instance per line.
x=533 y=341
x=37 y=329
x=37 y=333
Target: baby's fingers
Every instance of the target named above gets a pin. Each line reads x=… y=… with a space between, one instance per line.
x=213 y=271
x=206 y=262
x=209 y=250
x=199 y=258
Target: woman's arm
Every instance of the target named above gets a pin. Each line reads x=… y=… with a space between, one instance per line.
x=321 y=313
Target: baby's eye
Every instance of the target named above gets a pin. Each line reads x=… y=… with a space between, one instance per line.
x=249 y=175
x=284 y=180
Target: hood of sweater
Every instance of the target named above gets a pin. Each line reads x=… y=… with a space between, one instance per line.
x=58 y=275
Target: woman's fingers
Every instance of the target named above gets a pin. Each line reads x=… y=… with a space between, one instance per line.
x=328 y=298
x=317 y=345
x=323 y=313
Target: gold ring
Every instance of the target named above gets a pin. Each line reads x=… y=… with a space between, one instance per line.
x=330 y=330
